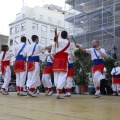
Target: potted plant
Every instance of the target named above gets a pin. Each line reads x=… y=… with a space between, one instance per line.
x=82 y=68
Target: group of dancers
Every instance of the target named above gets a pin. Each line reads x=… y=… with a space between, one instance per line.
x=59 y=62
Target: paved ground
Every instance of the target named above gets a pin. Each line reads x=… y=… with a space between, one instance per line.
x=78 y=107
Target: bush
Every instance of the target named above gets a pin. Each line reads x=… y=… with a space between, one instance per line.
x=82 y=68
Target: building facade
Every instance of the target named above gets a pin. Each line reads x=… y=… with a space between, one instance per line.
x=95 y=19
x=40 y=21
x=3 y=40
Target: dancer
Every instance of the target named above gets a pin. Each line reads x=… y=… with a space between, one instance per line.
x=70 y=75
x=33 y=52
x=5 y=57
x=97 y=55
x=60 y=52
x=46 y=78
x=116 y=79
x=20 y=66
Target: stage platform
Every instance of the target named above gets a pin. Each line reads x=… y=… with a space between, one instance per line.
x=78 y=107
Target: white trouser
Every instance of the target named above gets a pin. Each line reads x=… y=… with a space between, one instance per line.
x=96 y=78
x=43 y=80
x=46 y=80
x=68 y=83
x=33 y=79
x=21 y=78
x=59 y=79
x=6 y=77
x=116 y=87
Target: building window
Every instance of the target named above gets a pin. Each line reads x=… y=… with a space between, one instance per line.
x=51 y=41
x=43 y=41
x=17 y=28
x=23 y=26
x=17 y=40
x=41 y=17
x=11 y=42
x=35 y=26
x=49 y=19
x=59 y=22
x=11 y=30
x=52 y=33
x=44 y=28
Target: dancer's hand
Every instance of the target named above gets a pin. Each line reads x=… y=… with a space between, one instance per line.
x=77 y=46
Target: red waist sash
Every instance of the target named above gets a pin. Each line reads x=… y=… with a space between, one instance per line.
x=60 y=62
x=47 y=70
x=4 y=65
x=99 y=68
x=31 y=66
x=70 y=72
x=116 y=79
x=19 y=66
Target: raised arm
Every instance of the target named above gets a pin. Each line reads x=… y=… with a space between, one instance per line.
x=80 y=48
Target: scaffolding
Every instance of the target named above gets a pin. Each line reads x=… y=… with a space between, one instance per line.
x=94 y=19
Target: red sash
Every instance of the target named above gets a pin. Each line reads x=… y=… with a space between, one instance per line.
x=47 y=70
x=19 y=66
x=99 y=68
x=31 y=66
x=116 y=80
x=70 y=72
x=4 y=64
x=60 y=60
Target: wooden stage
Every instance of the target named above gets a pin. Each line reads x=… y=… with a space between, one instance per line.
x=78 y=107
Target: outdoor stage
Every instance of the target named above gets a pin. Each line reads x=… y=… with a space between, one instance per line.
x=78 y=107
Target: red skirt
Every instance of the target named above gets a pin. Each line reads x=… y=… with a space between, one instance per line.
x=99 y=68
x=70 y=72
x=116 y=80
x=4 y=65
x=60 y=62
x=31 y=66
x=47 y=70
x=19 y=66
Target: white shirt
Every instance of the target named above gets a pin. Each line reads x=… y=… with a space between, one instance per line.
x=49 y=59
x=62 y=44
x=70 y=59
x=38 y=49
x=18 y=47
x=93 y=56
x=117 y=71
x=103 y=75
x=8 y=56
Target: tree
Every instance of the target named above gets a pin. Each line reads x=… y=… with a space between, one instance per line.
x=82 y=67
x=13 y=76
x=109 y=64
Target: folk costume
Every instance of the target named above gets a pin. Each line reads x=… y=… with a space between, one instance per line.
x=33 y=80
x=46 y=78
x=60 y=63
x=20 y=67
x=70 y=74
x=116 y=80
x=5 y=57
x=97 y=68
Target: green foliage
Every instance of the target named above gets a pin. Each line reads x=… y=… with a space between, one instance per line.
x=82 y=67
x=13 y=76
x=109 y=64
